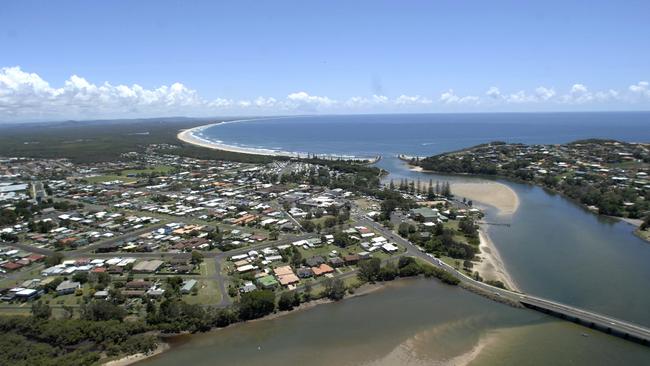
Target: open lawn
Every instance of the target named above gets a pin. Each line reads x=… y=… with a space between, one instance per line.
x=110 y=178
x=208 y=287
x=208 y=293
x=159 y=169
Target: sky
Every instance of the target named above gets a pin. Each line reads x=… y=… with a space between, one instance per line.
x=121 y=59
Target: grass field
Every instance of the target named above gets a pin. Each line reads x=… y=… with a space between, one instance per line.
x=160 y=169
x=208 y=287
x=111 y=178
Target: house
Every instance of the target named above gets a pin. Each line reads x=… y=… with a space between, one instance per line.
x=67 y=287
x=149 y=266
x=286 y=276
x=188 y=285
x=36 y=257
x=247 y=287
x=102 y=295
x=304 y=272
x=322 y=269
x=425 y=214
x=351 y=259
x=389 y=248
x=11 y=266
x=315 y=261
x=336 y=262
x=133 y=293
x=28 y=294
x=138 y=285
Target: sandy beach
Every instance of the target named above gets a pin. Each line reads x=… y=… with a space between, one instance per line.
x=503 y=198
x=189 y=137
x=495 y=194
x=491 y=266
x=129 y=360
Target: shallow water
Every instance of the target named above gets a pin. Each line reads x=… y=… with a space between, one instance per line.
x=412 y=322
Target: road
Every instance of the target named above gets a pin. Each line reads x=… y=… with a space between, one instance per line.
x=116 y=239
x=29 y=248
x=221 y=257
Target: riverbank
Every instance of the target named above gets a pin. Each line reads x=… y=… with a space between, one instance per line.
x=491 y=266
x=132 y=359
x=363 y=290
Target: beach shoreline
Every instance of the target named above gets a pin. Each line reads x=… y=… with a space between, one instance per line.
x=495 y=194
x=506 y=201
x=190 y=136
x=135 y=358
x=491 y=266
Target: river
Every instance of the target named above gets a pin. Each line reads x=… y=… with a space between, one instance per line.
x=410 y=322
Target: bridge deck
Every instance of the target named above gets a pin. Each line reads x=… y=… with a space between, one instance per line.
x=594 y=320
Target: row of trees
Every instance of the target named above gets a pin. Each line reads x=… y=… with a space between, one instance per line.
x=416 y=187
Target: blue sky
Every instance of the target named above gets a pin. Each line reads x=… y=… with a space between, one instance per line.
x=77 y=59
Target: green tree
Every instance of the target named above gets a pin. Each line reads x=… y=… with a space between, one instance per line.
x=387 y=272
x=54 y=259
x=403 y=229
x=41 y=310
x=98 y=310
x=369 y=269
x=256 y=304
x=334 y=289
x=308 y=225
x=341 y=239
x=288 y=300
x=197 y=257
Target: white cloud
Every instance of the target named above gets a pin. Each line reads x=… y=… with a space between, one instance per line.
x=25 y=96
x=544 y=93
x=412 y=100
x=540 y=94
x=520 y=97
x=578 y=89
x=640 y=90
x=303 y=101
x=493 y=92
x=449 y=97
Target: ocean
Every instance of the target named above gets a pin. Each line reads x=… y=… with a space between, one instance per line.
x=425 y=134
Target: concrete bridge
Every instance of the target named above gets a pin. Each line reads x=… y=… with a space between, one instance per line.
x=589 y=319
x=616 y=327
